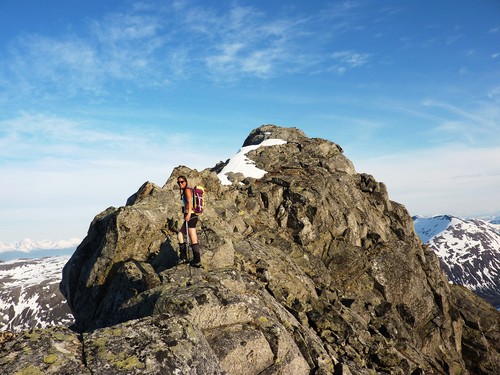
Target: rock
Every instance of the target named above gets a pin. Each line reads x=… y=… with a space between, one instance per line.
x=264 y=132
x=241 y=323
x=480 y=332
x=310 y=269
x=160 y=345
x=55 y=350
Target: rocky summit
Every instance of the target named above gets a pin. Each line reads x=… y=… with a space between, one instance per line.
x=310 y=269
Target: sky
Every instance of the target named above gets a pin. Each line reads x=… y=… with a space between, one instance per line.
x=97 y=97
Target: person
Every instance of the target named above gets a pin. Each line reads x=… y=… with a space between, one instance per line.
x=190 y=221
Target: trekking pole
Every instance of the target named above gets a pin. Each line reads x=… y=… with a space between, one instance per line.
x=187 y=240
x=188 y=250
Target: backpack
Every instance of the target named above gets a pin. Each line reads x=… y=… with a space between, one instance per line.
x=198 y=201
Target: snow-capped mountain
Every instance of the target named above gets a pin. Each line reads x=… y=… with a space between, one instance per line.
x=28 y=245
x=37 y=249
x=468 y=249
x=495 y=221
x=30 y=296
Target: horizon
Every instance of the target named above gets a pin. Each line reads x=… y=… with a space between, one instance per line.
x=44 y=249
x=98 y=98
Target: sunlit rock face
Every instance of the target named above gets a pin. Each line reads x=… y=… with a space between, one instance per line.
x=310 y=268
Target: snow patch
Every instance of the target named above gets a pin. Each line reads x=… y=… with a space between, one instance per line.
x=240 y=163
x=19 y=273
x=427 y=228
x=469 y=250
x=29 y=294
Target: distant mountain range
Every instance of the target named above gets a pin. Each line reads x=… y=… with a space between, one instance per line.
x=468 y=249
x=27 y=245
x=37 y=249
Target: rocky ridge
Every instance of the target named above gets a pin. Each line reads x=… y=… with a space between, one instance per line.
x=310 y=269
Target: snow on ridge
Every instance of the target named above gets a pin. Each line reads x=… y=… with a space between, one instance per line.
x=240 y=163
x=454 y=238
x=461 y=240
x=468 y=249
x=428 y=228
x=28 y=245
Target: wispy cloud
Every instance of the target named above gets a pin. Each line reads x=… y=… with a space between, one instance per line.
x=344 y=60
x=121 y=47
x=43 y=136
x=494 y=93
x=41 y=65
x=442 y=180
x=50 y=142
x=479 y=126
x=246 y=42
x=155 y=46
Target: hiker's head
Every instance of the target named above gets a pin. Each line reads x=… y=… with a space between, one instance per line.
x=182 y=181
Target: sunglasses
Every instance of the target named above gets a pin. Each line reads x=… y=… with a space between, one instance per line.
x=180 y=182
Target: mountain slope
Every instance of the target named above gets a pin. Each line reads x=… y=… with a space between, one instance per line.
x=468 y=250
x=30 y=296
x=308 y=269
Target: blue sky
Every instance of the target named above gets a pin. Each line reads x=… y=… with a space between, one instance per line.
x=98 y=97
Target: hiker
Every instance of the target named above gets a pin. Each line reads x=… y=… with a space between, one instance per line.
x=190 y=221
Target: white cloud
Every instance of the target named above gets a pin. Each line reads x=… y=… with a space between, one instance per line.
x=344 y=60
x=494 y=93
x=52 y=143
x=38 y=136
x=351 y=58
x=119 y=47
x=120 y=28
x=477 y=126
x=69 y=65
x=247 y=42
x=454 y=180
x=153 y=46
x=227 y=56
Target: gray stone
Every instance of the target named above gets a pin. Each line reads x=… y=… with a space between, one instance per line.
x=310 y=269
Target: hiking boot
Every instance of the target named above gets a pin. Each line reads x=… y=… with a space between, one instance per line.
x=182 y=254
x=196 y=262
